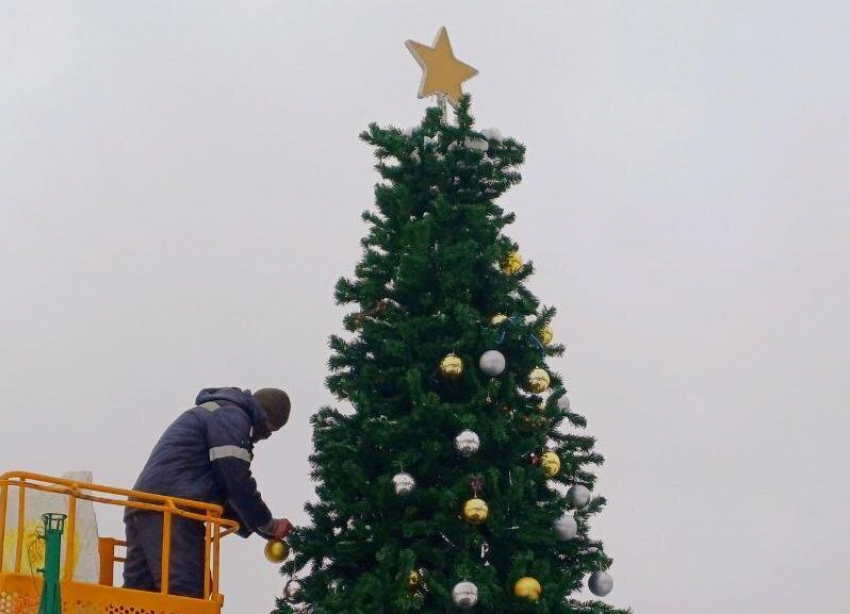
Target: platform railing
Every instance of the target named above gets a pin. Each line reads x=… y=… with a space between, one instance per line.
x=215 y=527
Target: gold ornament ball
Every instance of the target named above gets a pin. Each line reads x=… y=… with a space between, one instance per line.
x=528 y=588
x=550 y=463
x=414 y=581
x=451 y=367
x=277 y=551
x=512 y=264
x=546 y=335
x=538 y=380
x=475 y=511
x=498 y=319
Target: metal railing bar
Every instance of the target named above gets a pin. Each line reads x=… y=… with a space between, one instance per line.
x=210 y=514
x=22 y=506
x=4 y=488
x=151 y=507
x=208 y=527
x=71 y=532
x=166 y=552
x=24 y=476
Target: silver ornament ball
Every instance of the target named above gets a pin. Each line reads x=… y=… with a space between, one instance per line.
x=403 y=483
x=566 y=527
x=465 y=595
x=467 y=443
x=600 y=583
x=292 y=591
x=564 y=403
x=578 y=496
x=492 y=363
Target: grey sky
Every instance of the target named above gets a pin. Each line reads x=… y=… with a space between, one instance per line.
x=181 y=185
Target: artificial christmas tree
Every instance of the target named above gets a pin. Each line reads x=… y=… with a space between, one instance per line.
x=444 y=486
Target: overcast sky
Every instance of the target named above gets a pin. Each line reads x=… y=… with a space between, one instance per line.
x=181 y=185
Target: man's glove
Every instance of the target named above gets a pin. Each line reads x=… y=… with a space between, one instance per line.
x=277 y=528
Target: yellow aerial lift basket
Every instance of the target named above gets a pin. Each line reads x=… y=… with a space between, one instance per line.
x=20 y=592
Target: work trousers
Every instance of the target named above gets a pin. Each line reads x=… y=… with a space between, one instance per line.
x=143 y=568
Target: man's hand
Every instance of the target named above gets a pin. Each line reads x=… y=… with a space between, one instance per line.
x=277 y=528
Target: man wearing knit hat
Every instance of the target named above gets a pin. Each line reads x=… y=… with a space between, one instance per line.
x=205 y=455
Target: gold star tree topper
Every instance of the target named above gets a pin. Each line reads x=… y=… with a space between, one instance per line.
x=442 y=72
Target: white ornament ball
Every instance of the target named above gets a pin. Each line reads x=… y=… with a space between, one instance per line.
x=465 y=595
x=292 y=591
x=492 y=363
x=564 y=403
x=600 y=583
x=403 y=483
x=566 y=527
x=467 y=443
x=578 y=496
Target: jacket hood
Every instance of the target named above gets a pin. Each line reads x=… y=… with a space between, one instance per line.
x=238 y=397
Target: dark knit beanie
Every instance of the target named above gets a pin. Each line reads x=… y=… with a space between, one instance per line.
x=277 y=406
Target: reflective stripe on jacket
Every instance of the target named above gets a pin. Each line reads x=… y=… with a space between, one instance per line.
x=206 y=455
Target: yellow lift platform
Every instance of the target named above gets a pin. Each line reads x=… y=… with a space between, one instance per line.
x=20 y=592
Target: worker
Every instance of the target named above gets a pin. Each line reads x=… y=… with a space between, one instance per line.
x=205 y=455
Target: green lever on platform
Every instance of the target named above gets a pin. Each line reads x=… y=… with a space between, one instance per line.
x=54 y=526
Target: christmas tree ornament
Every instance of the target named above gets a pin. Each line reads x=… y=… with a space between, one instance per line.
x=512 y=264
x=465 y=595
x=566 y=527
x=498 y=319
x=403 y=483
x=564 y=403
x=414 y=580
x=546 y=334
x=600 y=583
x=451 y=367
x=578 y=496
x=467 y=443
x=276 y=551
x=528 y=589
x=476 y=483
x=538 y=380
x=492 y=363
x=293 y=590
x=475 y=511
x=485 y=550
x=442 y=72
x=550 y=463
